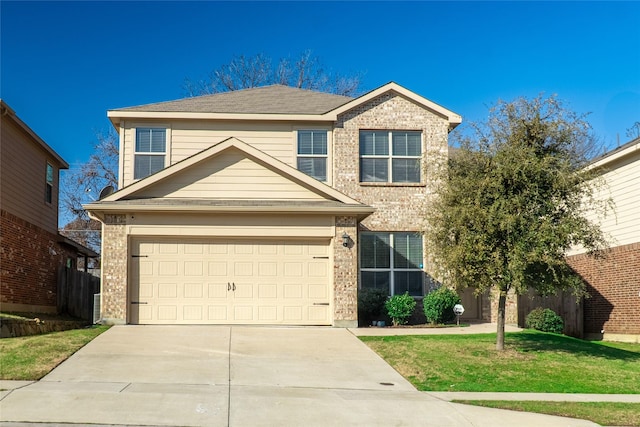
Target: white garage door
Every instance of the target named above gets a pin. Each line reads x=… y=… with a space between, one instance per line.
x=224 y=282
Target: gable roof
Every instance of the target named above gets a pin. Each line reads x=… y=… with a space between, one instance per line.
x=276 y=102
x=133 y=198
x=274 y=99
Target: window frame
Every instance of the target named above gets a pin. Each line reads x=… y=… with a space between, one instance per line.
x=164 y=154
x=325 y=156
x=392 y=269
x=390 y=157
x=49 y=180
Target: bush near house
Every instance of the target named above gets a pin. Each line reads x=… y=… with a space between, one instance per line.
x=400 y=308
x=438 y=305
x=371 y=305
x=545 y=320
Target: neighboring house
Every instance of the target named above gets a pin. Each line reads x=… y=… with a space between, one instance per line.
x=269 y=205
x=613 y=282
x=31 y=250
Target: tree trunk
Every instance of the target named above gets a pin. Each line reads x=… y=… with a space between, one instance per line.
x=502 y=303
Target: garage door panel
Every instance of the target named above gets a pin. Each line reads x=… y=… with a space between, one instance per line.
x=318 y=291
x=193 y=290
x=199 y=281
x=243 y=313
x=268 y=313
x=218 y=268
x=292 y=314
x=167 y=312
x=218 y=290
x=193 y=268
x=217 y=313
x=293 y=269
x=269 y=268
x=267 y=291
x=192 y=312
x=318 y=313
x=168 y=290
x=167 y=268
x=243 y=269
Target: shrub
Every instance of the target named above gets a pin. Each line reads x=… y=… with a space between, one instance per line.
x=400 y=308
x=438 y=305
x=371 y=304
x=545 y=320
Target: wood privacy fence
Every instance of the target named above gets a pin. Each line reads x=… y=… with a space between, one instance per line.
x=75 y=292
x=564 y=304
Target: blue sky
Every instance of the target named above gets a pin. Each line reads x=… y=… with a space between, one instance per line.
x=64 y=64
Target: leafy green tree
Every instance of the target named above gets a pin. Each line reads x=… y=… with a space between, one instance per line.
x=512 y=201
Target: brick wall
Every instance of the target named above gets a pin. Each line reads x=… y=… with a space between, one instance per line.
x=29 y=261
x=613 y=283
x=345 y=274
x=114 y=270
x=399 y=207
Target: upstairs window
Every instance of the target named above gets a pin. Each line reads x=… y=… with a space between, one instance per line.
x=392 y=262
x=48 y=189
x=312 y=153
x=150 y=151
x=390 y=156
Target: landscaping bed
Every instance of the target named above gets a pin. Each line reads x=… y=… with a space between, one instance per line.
x=26 y=324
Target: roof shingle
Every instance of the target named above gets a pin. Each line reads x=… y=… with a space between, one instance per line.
x=274 y=99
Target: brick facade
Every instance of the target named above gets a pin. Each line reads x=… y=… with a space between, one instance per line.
x=345 y=275
x=29 y=260
x=114 y=269
x=613 y=283
x=399 y=207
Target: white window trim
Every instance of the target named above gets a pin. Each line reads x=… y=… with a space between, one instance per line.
x=390 y=157
x=167 y=146
x=391 y=268
x=328 y=156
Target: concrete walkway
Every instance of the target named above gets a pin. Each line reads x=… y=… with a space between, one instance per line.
x=238 y=376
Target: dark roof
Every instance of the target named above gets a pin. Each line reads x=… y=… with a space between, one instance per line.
x=275 y=99
x=616 y=150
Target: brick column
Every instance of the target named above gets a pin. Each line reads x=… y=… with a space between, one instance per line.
x=345 y=274
x=114 y=270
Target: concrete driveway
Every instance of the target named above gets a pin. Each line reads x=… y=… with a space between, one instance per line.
x=238 y=376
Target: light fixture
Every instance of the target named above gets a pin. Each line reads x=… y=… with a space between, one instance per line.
x=345 y=239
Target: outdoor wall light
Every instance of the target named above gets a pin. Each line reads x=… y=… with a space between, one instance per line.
x=345 y=240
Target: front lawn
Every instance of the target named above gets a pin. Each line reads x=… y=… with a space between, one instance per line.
x=603 y=413
x=32 y=357
x=532 y=362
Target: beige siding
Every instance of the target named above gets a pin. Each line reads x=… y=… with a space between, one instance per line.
x=292 y=226
x=623 y=187
x=23 y=178
x=231 y=175
x=190 y=137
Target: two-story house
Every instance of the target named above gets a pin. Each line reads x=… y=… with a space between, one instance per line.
x=268 y=205
x=613 y=310
x=31 y=249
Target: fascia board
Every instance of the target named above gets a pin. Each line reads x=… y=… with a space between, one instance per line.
x=115 y=115
x=100 y=207
x=615 y=156
x=453 y=118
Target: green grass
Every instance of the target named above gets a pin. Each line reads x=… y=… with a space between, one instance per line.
x=532 y=362
x=603 y=413
x=32 y=357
